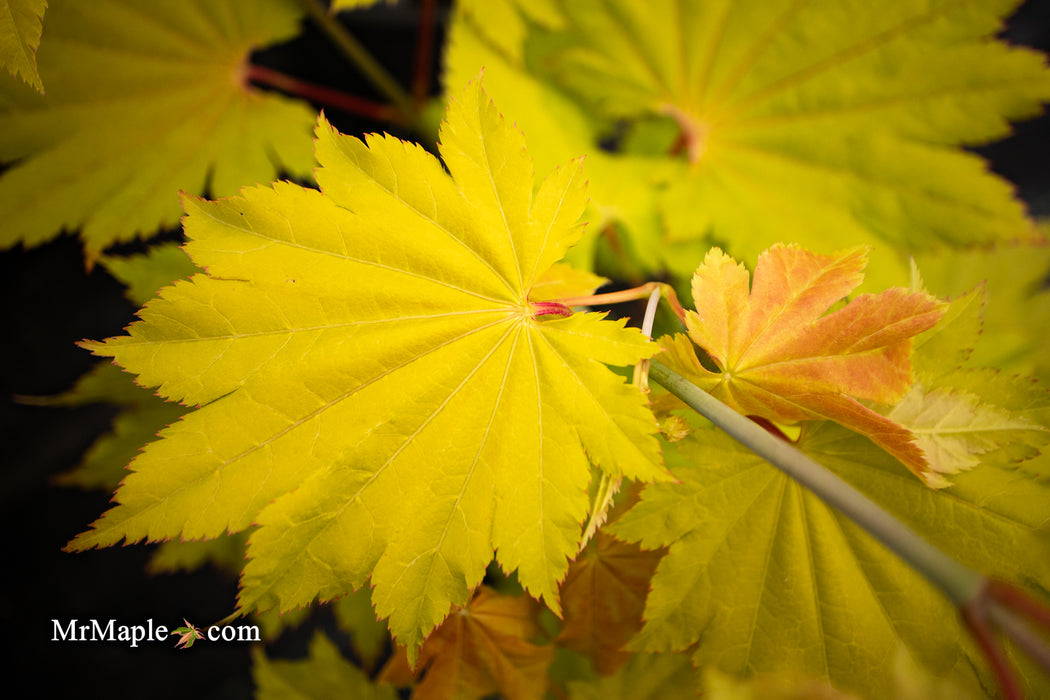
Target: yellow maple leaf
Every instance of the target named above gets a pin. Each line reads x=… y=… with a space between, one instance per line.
x=562 y=281
x=377 y=391
x=781 y=358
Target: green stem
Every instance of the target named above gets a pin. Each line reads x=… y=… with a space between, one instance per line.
x=959 y=583
x=360 y=57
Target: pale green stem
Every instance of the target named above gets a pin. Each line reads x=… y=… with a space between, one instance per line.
x=359 y=55
x=959 y=583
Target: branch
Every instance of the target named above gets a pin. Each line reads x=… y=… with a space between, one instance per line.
x=981 y=602
x=1006 y=605
x=975 y=616
x=633 y=294
x=958 y=582
x=360 y=57
x=424 y=51
x=324 y=96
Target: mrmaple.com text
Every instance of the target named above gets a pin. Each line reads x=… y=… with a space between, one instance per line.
x=94 y=631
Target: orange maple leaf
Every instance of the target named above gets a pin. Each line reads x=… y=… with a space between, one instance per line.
x=603 y=597
x=479 y=650
x=781 y=358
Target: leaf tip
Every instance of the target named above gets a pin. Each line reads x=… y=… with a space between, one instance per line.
x=95 y=347
x=323 y=125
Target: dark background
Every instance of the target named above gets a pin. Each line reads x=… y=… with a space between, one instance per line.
x=51 y=302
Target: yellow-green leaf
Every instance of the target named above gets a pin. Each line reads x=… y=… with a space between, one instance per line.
x=368 y=636
x=339 y=5
x=21 y=22
x=144 y=274
x=801 y=117
x=142 y=416
x=770 y=579
x=913 y=682
x=1016 y=317
x=948 y=345
x=823 y=123
x=963 y=416
x=376 y=391
x=322 y=675
x=954 y=428
x=645 y=677
x=226 y=553
x=786 y=686
x=143 y=100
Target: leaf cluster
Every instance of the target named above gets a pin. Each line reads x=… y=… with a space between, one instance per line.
x=386 y=387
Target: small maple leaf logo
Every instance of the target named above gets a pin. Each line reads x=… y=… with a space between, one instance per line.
x=187 y=635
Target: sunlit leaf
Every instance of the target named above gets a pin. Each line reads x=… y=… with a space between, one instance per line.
x=562 y=281
x=376 y=391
